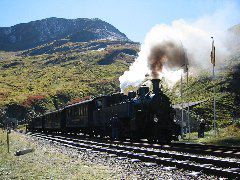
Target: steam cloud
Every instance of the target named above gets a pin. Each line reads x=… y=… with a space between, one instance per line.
x=166 y=54
x=168 y=47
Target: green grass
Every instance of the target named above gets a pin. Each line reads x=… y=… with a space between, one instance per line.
x=228 y=136
x=44 y=162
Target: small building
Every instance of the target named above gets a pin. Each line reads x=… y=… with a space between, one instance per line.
x=193 y=121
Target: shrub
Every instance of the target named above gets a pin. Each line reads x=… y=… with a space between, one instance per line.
x=237 y=123
x=31 y=100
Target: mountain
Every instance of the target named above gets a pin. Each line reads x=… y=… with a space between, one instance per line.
x=35 y=33
x=49 y=63
x=63 y=45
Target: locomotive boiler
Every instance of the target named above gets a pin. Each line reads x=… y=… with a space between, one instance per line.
x=143 y=114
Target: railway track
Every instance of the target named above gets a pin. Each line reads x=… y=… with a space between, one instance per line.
x=218 y=151
x=154 y=154
x=211 y=150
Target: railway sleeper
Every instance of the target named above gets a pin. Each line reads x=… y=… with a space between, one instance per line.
x=230 y=173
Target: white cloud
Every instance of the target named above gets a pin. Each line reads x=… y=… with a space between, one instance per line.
x=196 y=39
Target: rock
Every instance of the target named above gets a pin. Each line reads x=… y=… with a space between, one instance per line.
x=135 y=160
x=150 y=164
x=169 y=168
x=194 y=173
x=22 y=152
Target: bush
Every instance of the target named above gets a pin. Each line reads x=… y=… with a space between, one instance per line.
x=237 y=123
x=224 y=123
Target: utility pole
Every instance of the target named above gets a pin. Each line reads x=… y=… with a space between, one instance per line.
x=188 y=120
x=182 y=106
x=214 y=87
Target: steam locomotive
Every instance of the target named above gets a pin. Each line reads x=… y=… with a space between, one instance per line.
x=141 y=115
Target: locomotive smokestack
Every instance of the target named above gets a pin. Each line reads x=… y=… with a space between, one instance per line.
x=156 y=88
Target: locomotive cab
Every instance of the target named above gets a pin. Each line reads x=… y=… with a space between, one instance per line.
x=143 y=91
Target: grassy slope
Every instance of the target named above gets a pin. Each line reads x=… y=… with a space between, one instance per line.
x=43 y=163
x=228 y=136
x=60 y=77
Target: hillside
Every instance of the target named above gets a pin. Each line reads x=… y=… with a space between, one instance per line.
x=46 y=82
x=52 y=62
x=29 y=35
x=227 y=91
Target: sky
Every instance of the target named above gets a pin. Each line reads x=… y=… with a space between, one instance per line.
x=133 y=17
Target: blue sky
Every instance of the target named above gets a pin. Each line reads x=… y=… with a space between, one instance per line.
x=133 y=17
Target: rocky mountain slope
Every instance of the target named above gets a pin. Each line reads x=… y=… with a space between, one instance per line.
x=49 y=63
x=29 y=35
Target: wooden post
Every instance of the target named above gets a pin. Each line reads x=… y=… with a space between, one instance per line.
x=8 y=131
x=188 y=120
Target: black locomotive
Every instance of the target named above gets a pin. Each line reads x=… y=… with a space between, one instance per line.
x=140 y=115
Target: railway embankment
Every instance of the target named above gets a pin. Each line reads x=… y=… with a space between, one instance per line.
x=57 y=157
x=55 y=161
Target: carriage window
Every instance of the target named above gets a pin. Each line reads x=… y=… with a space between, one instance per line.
x=99 y=104
x=83 y=108
x=79 y=110
x=68 y=113
x=75 y=111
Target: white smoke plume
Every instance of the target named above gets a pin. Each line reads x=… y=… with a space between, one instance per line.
x=194 y=37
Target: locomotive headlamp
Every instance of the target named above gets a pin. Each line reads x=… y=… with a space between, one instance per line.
x=155 y=119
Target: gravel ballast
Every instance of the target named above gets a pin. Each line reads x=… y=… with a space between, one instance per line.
x=122 y=167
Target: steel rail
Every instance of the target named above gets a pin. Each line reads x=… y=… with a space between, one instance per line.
x=187 y=162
